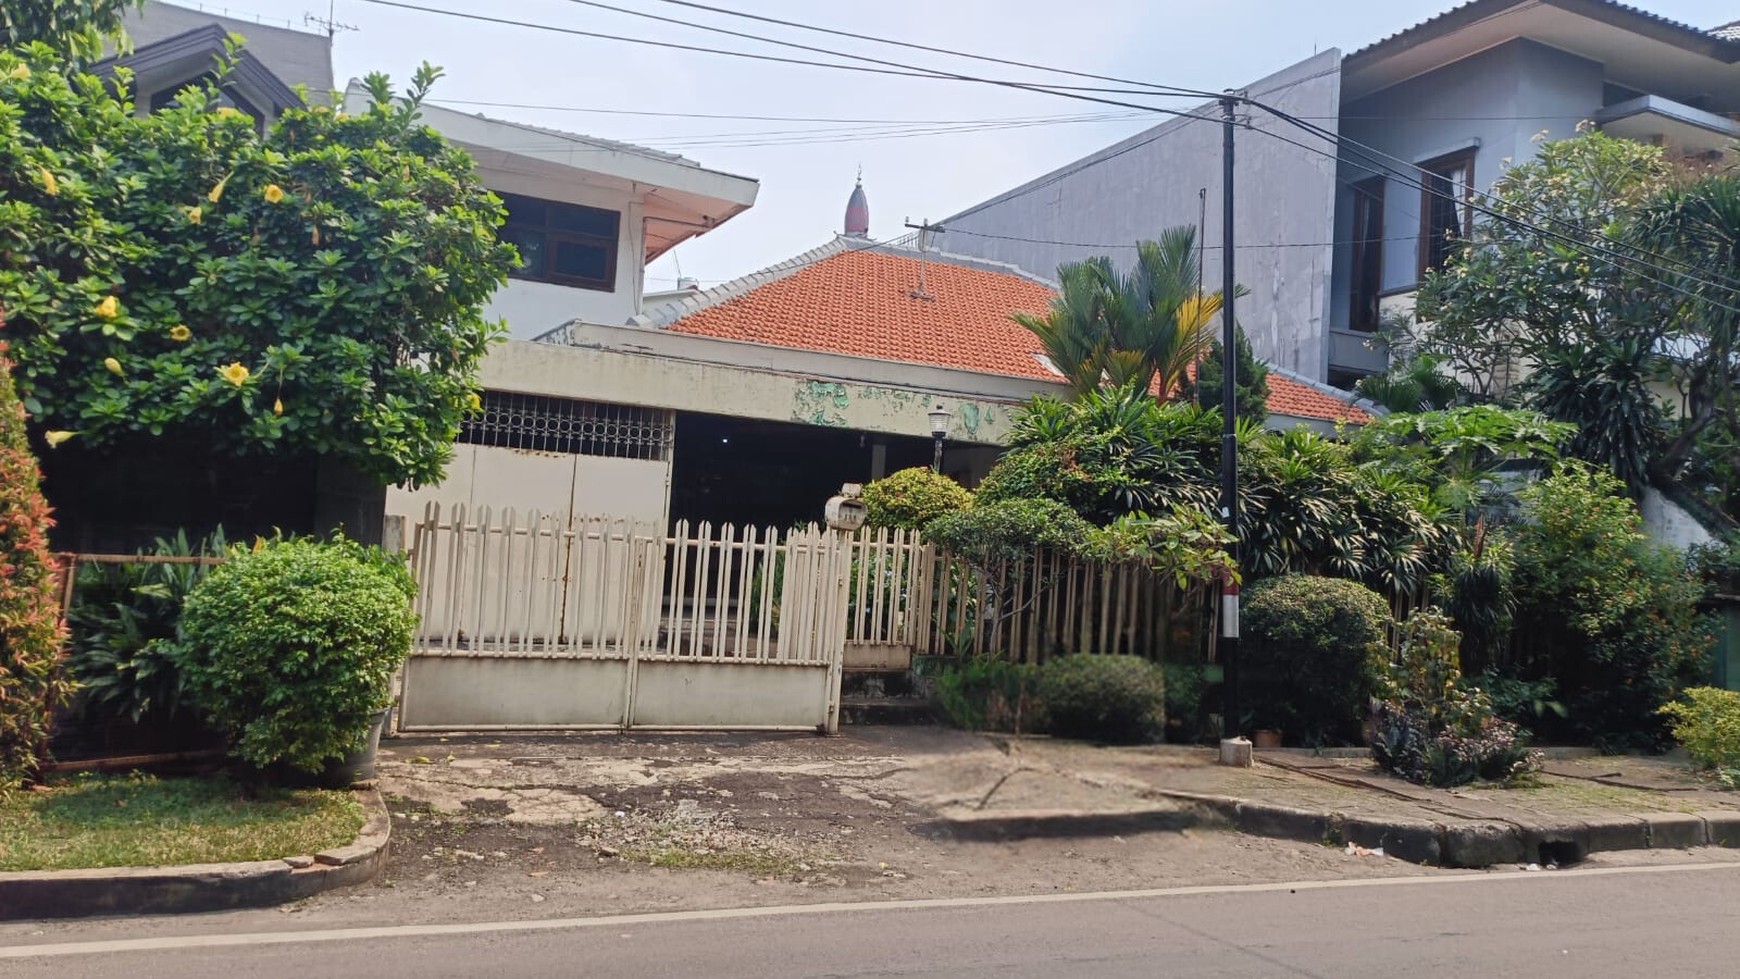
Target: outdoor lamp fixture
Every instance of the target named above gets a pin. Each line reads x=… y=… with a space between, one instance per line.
x=939 y=427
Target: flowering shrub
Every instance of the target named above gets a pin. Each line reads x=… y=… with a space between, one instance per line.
x=31 y=683
x=313 y=289
x=290 y=647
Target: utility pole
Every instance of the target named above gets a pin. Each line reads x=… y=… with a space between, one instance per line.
x=1234 y=750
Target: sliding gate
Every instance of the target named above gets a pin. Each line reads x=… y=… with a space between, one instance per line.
x=530 y=621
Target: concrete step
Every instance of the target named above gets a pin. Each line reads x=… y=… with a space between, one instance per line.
x=886 y=710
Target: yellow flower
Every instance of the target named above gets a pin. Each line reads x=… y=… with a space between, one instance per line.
x=218 y=191
x=113 y=365
x=278 y=406
x=180 y=333
x=55 y=438
x=474 y=402
x=109 y=308
x=194 y=215
x=20 y=74
x=50 y=186
x=274 y=193
x=235 y=374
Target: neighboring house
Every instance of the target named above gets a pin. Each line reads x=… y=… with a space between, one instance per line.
x=1329 y=245
x=824 y=369
x=587 y=215
x=174 y=47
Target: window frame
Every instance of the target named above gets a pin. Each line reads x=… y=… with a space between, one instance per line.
x=1432 y=170
x=1368 y=194
x=553 y=237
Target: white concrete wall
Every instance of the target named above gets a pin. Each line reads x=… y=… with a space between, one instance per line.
x=553 y=483
x=1669 y=523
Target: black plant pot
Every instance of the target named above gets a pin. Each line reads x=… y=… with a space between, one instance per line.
x=340 y=773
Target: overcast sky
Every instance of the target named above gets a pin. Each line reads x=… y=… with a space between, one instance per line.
x=807 y=173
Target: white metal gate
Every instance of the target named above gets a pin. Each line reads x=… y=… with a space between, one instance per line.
x=536 y=622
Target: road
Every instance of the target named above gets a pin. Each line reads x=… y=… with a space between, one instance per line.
x=1678 y=921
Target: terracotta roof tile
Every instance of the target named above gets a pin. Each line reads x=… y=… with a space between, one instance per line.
x=859 y=301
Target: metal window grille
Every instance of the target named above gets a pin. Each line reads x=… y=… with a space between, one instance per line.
x=544 y=424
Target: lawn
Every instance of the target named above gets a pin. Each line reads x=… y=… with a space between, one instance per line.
x=137 y=820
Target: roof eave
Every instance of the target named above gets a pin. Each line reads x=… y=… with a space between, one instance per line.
x=1460 y=18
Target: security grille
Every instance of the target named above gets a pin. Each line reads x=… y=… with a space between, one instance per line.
x=544 y=424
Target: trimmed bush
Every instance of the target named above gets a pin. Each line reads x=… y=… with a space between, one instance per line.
x=1312 y=654
x=1707 y=722
x=990 y=695
x=31 y=681
x=1118 y=699
x=912 y=498
x=290 y=647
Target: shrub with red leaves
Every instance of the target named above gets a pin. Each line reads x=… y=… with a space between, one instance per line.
x=31 y=681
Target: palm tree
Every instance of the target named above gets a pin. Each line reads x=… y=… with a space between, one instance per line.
x=1143 y=329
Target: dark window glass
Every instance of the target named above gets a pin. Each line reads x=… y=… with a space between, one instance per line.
x=1446 y=211
x=583 y=220
x=580 y=260
x=563 y=243
x=1368 y=254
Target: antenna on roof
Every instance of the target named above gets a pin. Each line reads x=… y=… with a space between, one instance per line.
x=925 y=230
x=329 y=22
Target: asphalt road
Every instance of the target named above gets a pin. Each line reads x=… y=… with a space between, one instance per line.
x=1679 y=921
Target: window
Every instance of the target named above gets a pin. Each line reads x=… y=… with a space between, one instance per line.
x=1446 y=207
x=165 y=97
x=1368 y=254
x=566 y=244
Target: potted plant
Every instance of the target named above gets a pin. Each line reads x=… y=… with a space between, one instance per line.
x=290 y=649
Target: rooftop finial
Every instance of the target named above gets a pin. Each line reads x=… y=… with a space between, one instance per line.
x=858 y=210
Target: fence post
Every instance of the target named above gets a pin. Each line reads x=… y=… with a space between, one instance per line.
x=833 y=623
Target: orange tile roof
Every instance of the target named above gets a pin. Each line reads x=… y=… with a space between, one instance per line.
x=858 y=300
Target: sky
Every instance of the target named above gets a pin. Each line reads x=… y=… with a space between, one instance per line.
x=991 y=139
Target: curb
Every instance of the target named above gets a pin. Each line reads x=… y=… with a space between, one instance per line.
x=199 y=887
x=1043 y=824
x=1472 y=844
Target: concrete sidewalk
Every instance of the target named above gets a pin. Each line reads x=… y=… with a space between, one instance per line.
x=952 y=784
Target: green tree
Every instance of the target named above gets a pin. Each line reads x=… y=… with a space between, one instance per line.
x=1144 y=329
x=78 y=29
x=316 y=288
x=1525 y=289
x=1697 y=228
x=1250 y=383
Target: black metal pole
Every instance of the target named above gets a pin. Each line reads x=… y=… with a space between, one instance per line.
x=1229 y=441
x=936 y=457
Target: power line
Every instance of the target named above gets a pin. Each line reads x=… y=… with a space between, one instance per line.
x=1072 y=92
x=592 y=110
x=1195 y=93
x=1254 y=246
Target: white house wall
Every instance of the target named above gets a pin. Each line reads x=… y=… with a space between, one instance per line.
x=1152 y=181
x=532 y=308
x=558 y=484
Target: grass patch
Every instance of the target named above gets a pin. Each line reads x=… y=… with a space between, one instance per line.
x=91 y=820
x=747 y=861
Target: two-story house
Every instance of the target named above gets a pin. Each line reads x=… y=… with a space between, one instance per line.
x=1334 y=233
